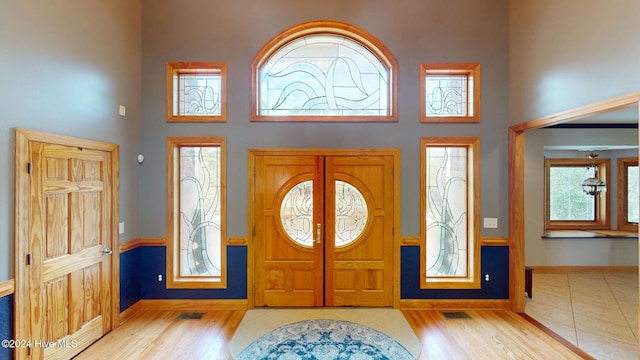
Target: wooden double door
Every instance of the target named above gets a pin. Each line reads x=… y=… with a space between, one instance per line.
x=323 y=228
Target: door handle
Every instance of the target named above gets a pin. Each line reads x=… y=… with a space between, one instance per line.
x=107 y=251
x=318 y=234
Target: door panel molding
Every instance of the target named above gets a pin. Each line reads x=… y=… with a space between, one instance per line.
x=25 y=293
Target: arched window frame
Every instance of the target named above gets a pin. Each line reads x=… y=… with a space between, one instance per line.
x=377 y=48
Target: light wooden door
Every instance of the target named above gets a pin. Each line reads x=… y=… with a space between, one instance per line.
x=359 y=259
x=324 y=230
x=68 y=263
x=288 y=273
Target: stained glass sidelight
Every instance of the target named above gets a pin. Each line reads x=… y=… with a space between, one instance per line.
x=199 y=94
x=200 y=211
x=446 y=211
x=324 y=75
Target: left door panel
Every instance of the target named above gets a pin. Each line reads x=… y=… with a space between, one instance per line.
x=290 y=268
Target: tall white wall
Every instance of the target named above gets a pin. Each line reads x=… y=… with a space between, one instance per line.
x=65 y=67
x=568 y=53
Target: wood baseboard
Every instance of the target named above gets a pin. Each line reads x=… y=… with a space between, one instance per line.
x=419 y=304
x=566 y=269
x=189 y=304
x=202 y=305
x=7 y=287
x=129 y=312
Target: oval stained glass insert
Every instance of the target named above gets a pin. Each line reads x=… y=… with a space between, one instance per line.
x=296 y=213
x=351 y=213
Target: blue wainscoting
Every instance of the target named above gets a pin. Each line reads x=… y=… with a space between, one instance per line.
x=494 y=261
x=141 y=266
x=6 y=325
x=129 y=278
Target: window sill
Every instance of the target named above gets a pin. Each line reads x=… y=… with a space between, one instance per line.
x=586 y=234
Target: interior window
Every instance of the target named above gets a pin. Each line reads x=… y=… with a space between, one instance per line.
x=568 y=205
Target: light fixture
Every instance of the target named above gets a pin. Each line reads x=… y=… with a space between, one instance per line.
x=593 y=185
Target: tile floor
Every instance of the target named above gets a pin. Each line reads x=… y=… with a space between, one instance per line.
x=596 y=311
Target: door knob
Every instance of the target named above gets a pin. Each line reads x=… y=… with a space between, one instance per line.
x=107 y=251
x=318 y=233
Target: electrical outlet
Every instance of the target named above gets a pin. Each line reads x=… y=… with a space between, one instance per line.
x=159 y=277
x=490 y=223
x=486 y=277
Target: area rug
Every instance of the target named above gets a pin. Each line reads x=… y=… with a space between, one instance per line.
x=261 y=321
x=324 y=340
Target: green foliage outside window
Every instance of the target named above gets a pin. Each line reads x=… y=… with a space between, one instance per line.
x=567 y=201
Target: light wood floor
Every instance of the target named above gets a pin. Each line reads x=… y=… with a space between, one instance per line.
x=487 y=335
x=596 y=311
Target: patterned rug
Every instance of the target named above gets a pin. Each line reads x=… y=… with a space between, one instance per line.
x=323 y=340
x=260 y=321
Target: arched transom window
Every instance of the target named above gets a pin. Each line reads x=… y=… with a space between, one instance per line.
x=324 y=71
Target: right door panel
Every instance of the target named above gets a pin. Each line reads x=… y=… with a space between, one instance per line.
x=359 y=246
